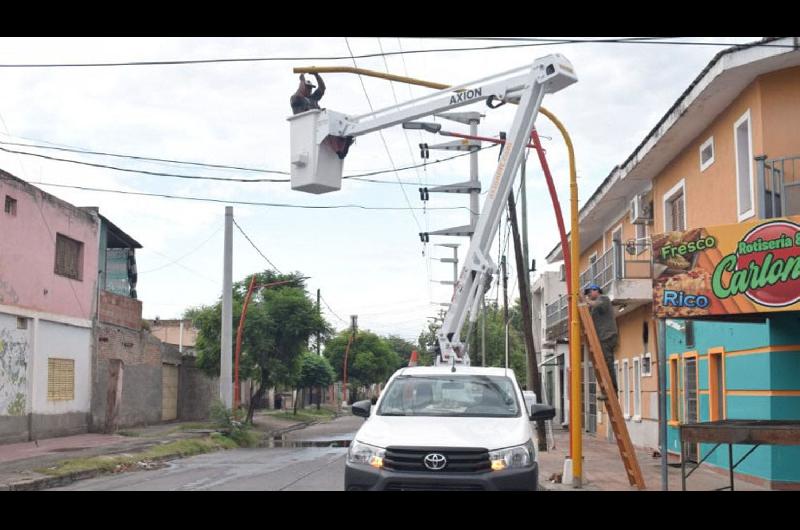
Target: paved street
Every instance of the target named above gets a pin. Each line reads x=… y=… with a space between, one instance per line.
x=305 y=460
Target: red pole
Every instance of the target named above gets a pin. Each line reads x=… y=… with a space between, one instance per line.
x=240 y=331
x=480 y=138
x=563 y=234
x=236 y=390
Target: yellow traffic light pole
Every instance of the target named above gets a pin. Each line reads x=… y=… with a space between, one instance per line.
x=576 y=445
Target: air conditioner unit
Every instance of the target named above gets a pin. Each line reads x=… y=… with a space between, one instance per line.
x=640 y=211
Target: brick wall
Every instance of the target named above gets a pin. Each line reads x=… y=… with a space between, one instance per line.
x=196 y=391
x=142 y=356
x=120 y=310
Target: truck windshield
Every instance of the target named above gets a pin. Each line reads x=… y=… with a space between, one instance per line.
x=450 y=395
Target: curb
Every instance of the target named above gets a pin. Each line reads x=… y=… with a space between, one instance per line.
x=47 y=482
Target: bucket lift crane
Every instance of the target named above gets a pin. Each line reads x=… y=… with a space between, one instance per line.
x=316 y=167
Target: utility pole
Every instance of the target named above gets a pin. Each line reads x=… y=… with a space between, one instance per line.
x=531 y=357
x=533 y=380
x=483 y=331
x=505 y=289
x=318 y=315
x=453 y=260
x=226 y=342
x=354 y=327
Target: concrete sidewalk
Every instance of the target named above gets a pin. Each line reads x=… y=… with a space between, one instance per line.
x=603 y=469
x=19 y=461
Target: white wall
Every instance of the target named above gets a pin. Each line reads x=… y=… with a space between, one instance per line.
x=62 y=341
x=15 y=351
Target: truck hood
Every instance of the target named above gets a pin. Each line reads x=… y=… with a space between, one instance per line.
x=430 y=431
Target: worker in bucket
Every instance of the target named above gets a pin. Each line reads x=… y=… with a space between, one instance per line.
x=606 y=326
x=304 y=99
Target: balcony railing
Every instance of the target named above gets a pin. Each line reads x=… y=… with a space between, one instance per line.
x=613 y=265
x=779 y=186
x=623 y=261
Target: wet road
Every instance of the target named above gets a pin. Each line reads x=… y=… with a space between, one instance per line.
x=310 y=459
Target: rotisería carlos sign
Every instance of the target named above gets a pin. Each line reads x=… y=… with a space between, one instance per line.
x=751 y=267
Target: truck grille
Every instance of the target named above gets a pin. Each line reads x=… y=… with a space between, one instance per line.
x=459 y=460
x=431 y=486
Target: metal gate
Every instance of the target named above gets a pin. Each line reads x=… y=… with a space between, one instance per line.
x=169 y=392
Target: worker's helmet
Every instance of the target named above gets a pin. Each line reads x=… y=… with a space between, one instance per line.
x=592 y=287
x=310 y=85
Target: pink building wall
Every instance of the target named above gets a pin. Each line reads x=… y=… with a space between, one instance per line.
x=28 y=246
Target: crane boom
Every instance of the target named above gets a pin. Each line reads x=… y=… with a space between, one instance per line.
x=526 y=85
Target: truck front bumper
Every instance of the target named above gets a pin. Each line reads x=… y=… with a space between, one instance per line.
x=363 y=478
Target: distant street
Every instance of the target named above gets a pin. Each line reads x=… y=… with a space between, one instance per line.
x=310 y=459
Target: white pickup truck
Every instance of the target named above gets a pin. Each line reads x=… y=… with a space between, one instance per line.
x=446 y=428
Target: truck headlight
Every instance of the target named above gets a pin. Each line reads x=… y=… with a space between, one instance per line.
x=513 y=457
x=361 y=453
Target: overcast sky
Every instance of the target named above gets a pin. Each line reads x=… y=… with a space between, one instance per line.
x=368 y=263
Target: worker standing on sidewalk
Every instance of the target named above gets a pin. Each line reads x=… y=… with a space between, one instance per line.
x=606 y=326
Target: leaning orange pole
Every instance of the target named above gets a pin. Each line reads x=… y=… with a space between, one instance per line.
x=576 y=442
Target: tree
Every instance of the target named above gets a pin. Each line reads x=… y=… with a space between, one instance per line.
x=402 y=348
x=279 y=322
x=496 y=342
x=371 y=359
x=315 y=371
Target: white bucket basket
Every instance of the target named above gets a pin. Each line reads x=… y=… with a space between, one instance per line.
x=316 y=168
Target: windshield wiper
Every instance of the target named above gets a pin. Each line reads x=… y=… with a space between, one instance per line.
x=392 y=414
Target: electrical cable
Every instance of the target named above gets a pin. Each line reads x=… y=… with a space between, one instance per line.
x=255 y=247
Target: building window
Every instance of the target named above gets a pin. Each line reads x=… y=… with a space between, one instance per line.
x=637 y=389
x=618 y=369
x=641 y=238
x=675 y=208
x=626 y=402
x=707 y=154
x=69 y=257
x=690 y=394
x=716 y=385
x=60 y=379
x=22 y=323
x=647 y=364
x=688 y=331
x=11 y=205
x=744 y=166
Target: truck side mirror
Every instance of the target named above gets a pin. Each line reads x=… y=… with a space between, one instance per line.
x=362 y=408
x=540 y=412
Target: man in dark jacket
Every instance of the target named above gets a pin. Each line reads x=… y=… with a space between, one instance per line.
x=606 y=326
x=304 y=99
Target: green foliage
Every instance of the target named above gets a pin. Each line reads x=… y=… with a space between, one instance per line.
x=279 y=322
x=402 y=348
x=371 y=359
x=231 y=424
x=314 y=371
x=495 y=341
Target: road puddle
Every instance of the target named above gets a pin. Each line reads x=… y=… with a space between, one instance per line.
x=277 y=442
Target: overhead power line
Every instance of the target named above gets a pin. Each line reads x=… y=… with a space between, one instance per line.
x=383 y=139
x=541 y=42
x=245 y=203
x=332 y=311
x=255 y=247
x=359 y=176
x=175 y=261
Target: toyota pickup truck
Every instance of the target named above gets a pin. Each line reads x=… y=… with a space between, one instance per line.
x=446 y=428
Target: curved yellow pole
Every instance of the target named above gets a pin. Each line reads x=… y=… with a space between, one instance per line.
x=576 y=447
